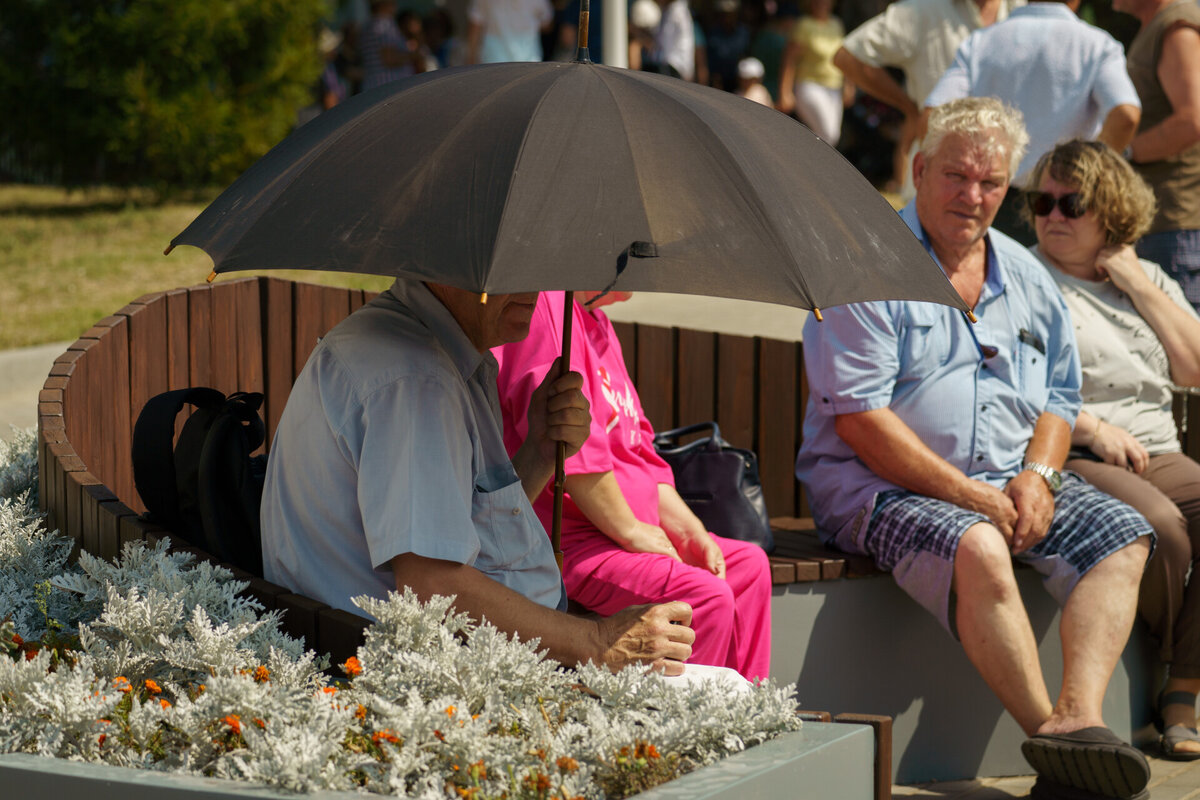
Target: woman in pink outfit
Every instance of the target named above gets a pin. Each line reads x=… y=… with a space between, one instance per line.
x=627 y=536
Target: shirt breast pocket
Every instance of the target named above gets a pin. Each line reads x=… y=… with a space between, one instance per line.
x=508 y=531
x=1034 y=371
x=926 y=346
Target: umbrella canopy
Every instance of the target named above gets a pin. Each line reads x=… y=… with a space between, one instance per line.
x=523 y=177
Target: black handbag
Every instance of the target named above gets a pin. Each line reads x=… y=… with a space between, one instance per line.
x=719 y=483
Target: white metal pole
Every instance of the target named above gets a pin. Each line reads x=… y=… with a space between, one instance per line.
x=615 y=23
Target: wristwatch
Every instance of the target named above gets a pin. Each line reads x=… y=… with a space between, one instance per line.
x=1053 y=477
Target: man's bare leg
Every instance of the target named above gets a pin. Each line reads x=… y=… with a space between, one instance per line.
x=1095 y=626
x=994 y=628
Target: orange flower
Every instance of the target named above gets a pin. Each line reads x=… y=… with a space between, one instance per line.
x=152 y=687
x=31 y=653
x=330 y=690
x=646 y=750
x=261 y=674
x=17 y=640
x=260 y=723
x=440 y=736
x=539 y=782
x=234 y=722
x=478 y=771
x=162 y=701
x=100 y=741
x=360 y=712
x=385 y=735
x=121 y=684
x=450 y=711
x=567 y=764
x=352 y=666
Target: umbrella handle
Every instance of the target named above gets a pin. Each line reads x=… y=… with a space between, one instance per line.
x=561 y=454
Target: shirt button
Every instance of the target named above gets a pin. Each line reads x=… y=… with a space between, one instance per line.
x=979 y=458
x=983 y=407
x=516 y=511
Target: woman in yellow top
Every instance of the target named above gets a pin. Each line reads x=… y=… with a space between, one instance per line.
x=810 y=84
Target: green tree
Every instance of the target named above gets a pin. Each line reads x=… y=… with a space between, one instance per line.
x=177 y=93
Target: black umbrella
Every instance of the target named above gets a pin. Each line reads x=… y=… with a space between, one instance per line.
x=527 y=177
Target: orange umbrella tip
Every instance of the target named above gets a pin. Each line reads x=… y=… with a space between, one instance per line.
x=212 y=276
x=170 y=247
x=817 y=314
x=483 y=299
x=971 y=316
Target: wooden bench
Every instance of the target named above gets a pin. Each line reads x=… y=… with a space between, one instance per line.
x=255 y=334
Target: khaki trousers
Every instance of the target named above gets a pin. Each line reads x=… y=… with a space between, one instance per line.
x=1168 y=495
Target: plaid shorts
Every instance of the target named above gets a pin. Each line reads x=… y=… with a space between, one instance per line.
x=916 y=537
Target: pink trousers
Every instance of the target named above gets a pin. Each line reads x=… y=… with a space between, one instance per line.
x=731 y=617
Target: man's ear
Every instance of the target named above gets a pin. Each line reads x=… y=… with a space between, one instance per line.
x=918 y=169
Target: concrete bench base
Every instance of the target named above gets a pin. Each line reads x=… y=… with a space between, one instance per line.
x=821 y=761
x=862 y=644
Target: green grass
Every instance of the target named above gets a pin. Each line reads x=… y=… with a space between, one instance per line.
x=70 y=258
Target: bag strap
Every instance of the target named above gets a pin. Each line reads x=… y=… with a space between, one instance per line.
x=671 y=438
x=154 y=452
x=668 y=441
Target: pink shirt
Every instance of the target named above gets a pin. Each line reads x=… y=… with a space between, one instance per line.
x=621 y=440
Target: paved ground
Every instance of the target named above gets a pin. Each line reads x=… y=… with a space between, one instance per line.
x=23 y=371
x=1170 y=780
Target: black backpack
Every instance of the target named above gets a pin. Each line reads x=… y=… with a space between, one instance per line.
x=206 y=488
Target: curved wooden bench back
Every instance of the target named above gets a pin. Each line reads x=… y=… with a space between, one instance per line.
x=255 y=334
x=252 y=334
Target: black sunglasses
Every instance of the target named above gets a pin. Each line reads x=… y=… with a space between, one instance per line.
x=1042 y=203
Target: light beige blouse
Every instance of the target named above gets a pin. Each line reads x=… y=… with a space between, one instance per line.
x=1126 y=375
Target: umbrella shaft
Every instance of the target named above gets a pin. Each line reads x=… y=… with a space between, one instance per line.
x=560 y=456
x=581 y=52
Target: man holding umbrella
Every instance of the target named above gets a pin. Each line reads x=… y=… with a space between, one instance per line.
x=934 y=445
x=388 y=470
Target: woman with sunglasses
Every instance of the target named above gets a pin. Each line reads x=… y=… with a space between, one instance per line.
x=1137 y=336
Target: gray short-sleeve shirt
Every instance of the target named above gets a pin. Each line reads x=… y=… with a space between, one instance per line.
x=391 y=443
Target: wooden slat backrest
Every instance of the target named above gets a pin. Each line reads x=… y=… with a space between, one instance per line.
x=200 y=323
x=224 y=338
x=737 y=384
x=655 y=376
x=695 y=377
x=778 y=420
x=277 y=350
x=249 y=330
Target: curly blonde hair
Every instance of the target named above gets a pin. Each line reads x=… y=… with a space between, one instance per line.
x=997 y=127
x=1107 y=185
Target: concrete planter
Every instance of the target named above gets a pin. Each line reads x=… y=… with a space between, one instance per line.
x=820 y=761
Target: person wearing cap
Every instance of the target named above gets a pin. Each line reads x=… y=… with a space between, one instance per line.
x=750 y=85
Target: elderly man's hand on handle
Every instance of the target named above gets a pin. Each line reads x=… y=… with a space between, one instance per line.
x=558 y=412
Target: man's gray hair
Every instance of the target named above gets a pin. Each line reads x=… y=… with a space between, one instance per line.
x=986 y=121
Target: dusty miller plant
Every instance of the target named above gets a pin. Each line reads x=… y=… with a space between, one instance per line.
x=171 y=668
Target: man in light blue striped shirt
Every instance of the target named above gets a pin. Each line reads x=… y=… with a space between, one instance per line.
x=934 y=445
